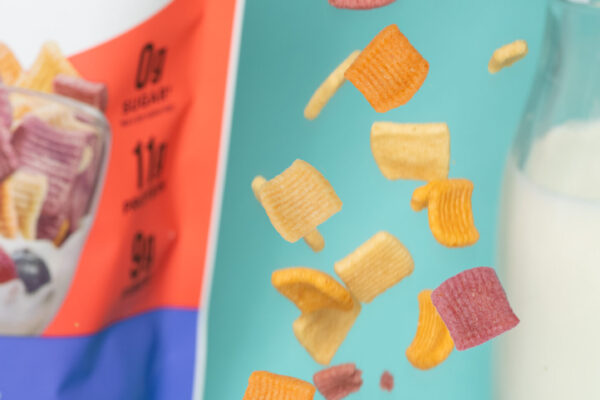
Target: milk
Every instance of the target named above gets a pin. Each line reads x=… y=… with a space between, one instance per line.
x=550 y=265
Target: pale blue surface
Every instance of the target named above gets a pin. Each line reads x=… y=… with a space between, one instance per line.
x=288 y=48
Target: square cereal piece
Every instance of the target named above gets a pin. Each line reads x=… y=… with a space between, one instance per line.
x=322 y=332
x=375 y=266
x=474 y=307
x=264 y=385
x=389 y=71
x=411 y=151
x=339 y=381
x=298 y=200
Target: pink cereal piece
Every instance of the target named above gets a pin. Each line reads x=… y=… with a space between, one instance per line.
x=474 y=307
x=337 y=382
x=92 y=93
x=5 y=108
x=360 y=4
x=387 y=381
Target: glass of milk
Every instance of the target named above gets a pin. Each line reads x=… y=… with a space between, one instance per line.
x=549 y=243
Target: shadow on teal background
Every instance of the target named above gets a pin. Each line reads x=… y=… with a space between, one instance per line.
x=288 y=48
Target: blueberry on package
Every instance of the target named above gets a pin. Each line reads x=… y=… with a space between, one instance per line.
x=113 y=130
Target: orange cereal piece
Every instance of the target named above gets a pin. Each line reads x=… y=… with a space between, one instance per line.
x=263 y=385
x=311 y=290
x=10 y=69
x=450 y=212
x=432 y=343
x=389 y=71
x=49 y=63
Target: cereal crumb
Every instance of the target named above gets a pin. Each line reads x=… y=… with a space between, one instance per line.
x=387 y=381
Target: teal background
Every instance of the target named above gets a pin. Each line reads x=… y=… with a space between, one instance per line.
x=287 y=49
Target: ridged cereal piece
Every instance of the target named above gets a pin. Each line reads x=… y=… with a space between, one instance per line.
x=337 y=382
x=10 y=69
x=474 y=307
x=375 y=266
x=328 y=88
x=386 y=382
x=297 y=201
x=360 y=4
x=49 y=63
x=411 y=151
x=92 y=93
x=389 y=71
x=311 y=289
x=28 y=192
x=507 y=55
x=432 y=343
x=322 y=332
x=9 y=223
x=450 y=213
x=263 y=385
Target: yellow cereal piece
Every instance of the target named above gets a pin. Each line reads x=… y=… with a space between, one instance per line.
x=507 y=55
x=450 y=213
x=63 y=230
x=10 y=69
x=311 y=289
x=21 y=105
x=28 y=192
x=60 y=117
x=322 y=332
x=9 y=224
x=375 y=266
x=264 y=385
x=297 y=201
x=257 y=184
x=432 y=343
x=328 y=88
x=49 y=63
x=411 y=151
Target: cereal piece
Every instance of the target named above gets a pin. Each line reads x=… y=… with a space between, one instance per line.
x=360 y=4
x=62 y=234
x=21 y=105
x=92 y=93
x=507 y=55
x=389 y=71
x=337 y=382
x=411 y=151
x=322 y=332
x=28 y=192
x=264 y=385
x=432 y=343
x=5 y=109
x=49 y=63
x=474 y=307
x=328 y=88
x=315 y=240
x=61 y=117
x=9 y=223
x=8 y=157
x=10 y=69
x=375 y=266
x=257 y=184
x=311 y=289
x=298 y=200
x=450 y=214
x=386 y=382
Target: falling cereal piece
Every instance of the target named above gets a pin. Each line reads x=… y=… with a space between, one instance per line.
x=375 y=266
x=92 y=93
x=474 y=307
x=328 y=88
x=9 y=223
x=360 y=4
x=411 y=151
x=28 y=192
x=49 y=63
x=389 y=71
x=264 y=385
x=10 y=69
x=311 y=289
x=386 y=382
x=432 y=343
x=337 y=382
x=450 y=214
x=507 y=55
x=297 y=201
x=5 y=108
x=257 y=184
x=322 y=332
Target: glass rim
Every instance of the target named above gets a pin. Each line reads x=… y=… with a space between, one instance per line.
x=67 y=101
